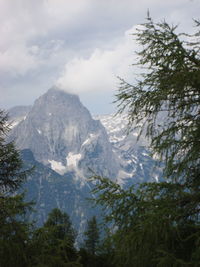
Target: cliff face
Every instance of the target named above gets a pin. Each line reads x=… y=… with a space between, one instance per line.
x=61 y=133
x=61 y=139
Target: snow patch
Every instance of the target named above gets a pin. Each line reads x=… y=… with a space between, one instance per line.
x=72 y=159
x=89 y=139
x=115 y=139
x=15 y=122
x=156 y=178
x=57 y=166
x=122 y=176
x=39 y=131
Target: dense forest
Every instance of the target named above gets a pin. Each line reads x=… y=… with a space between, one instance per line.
x=149 y=224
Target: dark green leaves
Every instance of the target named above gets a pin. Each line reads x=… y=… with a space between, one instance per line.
x=166 y=99
x=157 y=224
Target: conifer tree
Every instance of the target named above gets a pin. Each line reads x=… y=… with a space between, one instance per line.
x=165 y=101
x=62 y=225
x=92 y=236
x=14 y=228
x=157 y=224
x=11 y=172
x=53 y=244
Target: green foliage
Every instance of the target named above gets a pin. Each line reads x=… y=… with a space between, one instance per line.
x=154 y=224
x=157 y=224
x=92 y=236
x=14 y=231
x=95 y=252
x=11 y=173
x=53 y=244
x=166 y=99
x=60 y=222
x=14 y=228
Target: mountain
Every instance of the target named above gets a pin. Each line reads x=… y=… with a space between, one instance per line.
x=49 y=190
x=61 y=133
x=17 y=114
x=136 y=162
x=66 y=145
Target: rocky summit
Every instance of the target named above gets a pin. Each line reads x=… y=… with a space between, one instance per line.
x=61 y=133
x=66 y=145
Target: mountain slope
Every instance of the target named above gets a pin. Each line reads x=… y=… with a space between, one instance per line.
x=17 y=114
x=61 y=139
x=61 y=133
x=134 y=156
x=49 y=190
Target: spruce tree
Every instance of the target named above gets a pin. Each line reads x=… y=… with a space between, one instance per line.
x=14 y=228
x=53 y=244
x=62 y=225
x=11 y=166
x=92 y=236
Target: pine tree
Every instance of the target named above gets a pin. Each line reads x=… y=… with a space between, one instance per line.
x=92 y=236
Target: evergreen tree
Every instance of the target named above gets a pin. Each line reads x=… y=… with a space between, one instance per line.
x=60 y=221
x=151 y=225
x=53 y=244
x=92 y=236
x=95 y=253
x=11 y=172
x=166 y=100
x=15 y=232
x=14 y=228
x=157 y=224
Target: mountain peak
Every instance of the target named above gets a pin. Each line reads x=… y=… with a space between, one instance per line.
x=61 y=132
x=55 y=94
x=58 y=103
x=55 y=89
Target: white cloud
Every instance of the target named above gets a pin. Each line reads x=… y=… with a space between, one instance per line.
x=40 y=38
x=24 y=24
x=99 y=71
x=18 y=59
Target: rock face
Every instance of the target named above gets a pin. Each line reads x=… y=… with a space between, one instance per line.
x=61 y=139
x=17 y=114
x=135 y=160
x=49 y=190
x=61 y=133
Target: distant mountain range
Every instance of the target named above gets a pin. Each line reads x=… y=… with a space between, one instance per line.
x=59 y=136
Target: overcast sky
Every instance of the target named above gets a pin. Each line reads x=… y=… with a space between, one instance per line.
x=79 y=45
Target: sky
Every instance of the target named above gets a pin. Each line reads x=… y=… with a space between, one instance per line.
x=81 y=46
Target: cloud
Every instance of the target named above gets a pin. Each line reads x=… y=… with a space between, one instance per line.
x=17 y=60
x=25 y=25
x=99 y=71
x=80 y=25
x=80 y=41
